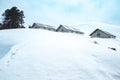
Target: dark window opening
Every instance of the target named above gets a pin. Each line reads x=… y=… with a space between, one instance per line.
x=98 y=35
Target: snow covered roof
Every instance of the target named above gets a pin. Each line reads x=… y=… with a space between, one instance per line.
x=39 y=25
x=70 y=28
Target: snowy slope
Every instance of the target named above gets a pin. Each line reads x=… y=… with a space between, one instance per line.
x=34 y=54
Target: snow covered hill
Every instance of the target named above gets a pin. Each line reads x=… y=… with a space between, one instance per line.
x=36 y=54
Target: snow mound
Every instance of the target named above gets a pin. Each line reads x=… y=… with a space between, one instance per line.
x=35 y=54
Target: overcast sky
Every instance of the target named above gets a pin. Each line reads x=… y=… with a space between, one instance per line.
x=68 y=12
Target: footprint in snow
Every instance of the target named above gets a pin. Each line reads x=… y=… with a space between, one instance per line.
x=12 y=55
x=8 y=63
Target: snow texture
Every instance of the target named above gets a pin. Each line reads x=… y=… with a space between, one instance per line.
x=36 y=54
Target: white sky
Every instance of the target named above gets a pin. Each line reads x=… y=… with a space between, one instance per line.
x=69 y=12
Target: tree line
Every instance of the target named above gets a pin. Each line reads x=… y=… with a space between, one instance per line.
x=12 y=18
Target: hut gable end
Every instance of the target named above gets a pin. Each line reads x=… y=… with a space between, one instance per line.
x=101 y=34
x=63 y=28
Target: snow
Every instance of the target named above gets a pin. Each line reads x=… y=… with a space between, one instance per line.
x=36 y=54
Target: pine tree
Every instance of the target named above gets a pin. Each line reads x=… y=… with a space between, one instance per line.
x=13 y=18
x=0 y=25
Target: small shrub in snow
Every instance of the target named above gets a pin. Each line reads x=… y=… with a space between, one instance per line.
x=95 y=42
x=112 y=48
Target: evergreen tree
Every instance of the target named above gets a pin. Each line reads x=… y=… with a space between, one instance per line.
x=13 y=18
x=0 y=25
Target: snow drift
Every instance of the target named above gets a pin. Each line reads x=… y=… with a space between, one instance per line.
x=35 y=54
